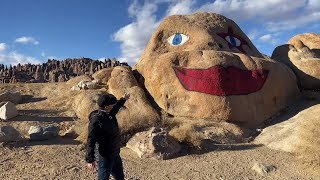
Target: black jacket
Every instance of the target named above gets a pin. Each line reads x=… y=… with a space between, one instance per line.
x=103 y=129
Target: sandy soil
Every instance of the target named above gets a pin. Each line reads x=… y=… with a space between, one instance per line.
x=63 y=157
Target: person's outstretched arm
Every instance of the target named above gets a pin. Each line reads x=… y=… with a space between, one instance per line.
x=119 y=104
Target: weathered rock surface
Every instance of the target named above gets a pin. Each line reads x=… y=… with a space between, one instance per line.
x=9 y=133
x=263 y=169
x=293 y=133
x=85 y=85
x=154 y=143
x=138 y=112
x=43 y=132
x=103 y=75
x=86 y=102
x=12 y=96
x=302 y=55
x=74 y=81
x=8 y=110
x=203 y=74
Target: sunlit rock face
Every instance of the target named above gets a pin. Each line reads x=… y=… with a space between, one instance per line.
x=204 y=66
x=302 y=54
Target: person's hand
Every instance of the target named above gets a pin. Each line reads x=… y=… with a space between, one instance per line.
x=92 y=166
x=126 y=96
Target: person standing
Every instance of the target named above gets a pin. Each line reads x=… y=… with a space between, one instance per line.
x=103 y=130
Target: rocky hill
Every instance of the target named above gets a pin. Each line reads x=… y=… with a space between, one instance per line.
x=54 y=70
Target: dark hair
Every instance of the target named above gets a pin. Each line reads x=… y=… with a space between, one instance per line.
x=106 y=100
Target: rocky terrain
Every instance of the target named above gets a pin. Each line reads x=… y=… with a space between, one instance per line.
x=54 y=70
x=63 y=157
x=203 y=105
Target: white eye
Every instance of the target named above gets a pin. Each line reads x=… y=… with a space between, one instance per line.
x=233 y=41
x=177 y=39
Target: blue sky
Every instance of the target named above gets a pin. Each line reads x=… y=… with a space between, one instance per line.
x=36 y=30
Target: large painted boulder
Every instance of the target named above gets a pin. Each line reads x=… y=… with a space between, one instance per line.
x=302 y=54
x=203 y=66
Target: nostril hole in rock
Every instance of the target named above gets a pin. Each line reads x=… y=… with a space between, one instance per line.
x=176 y=62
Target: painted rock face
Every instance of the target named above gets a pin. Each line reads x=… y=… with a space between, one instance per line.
x=203 y=66
x=302 y=55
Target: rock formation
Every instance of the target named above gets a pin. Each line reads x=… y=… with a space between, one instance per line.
x=302 y=54
x=203 y=66
x=154 y=143
x=54 y=70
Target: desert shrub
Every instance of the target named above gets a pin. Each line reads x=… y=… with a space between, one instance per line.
x=187 y=133
x=81 y=129
x=194 y=131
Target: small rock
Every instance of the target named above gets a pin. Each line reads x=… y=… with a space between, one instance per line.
x=8 y=110
x=12 y=96
x=76 y=88
x=155 y=143
x=9 y=133
x=263 y=169
x=43 y=132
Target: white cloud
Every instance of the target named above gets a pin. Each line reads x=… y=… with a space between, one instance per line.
x=266 y=37
x=270 y=38
x=253 y=10
x=271 y=15
x=55 y=57
x=27 y=40
x=182 y=7
x=134 y=36
x=3 y=47
x=15 y=58
x=8 y=56
x=294 y=23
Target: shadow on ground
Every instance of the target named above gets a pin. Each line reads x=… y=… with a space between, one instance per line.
x=27 y=143
x=21 y=118
x=211 y=146
x=31 y=98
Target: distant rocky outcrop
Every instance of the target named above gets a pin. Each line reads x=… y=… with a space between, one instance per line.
x=54 y=70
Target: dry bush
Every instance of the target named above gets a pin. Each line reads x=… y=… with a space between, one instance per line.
x=309 y=143
x=81 y=129
x=194 y=131
x=131 y=122
x=187 y=133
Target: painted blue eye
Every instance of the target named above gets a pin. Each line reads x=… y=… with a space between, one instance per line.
x=233 y=41
x=177 y=39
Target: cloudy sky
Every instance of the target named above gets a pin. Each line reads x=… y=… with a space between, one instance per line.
x=33 y=31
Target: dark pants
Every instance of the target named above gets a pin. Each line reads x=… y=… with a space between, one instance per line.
x=111 y=166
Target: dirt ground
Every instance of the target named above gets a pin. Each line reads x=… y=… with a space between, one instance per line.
x=63 y=157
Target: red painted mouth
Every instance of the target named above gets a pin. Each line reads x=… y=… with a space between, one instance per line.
x=221 y=81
